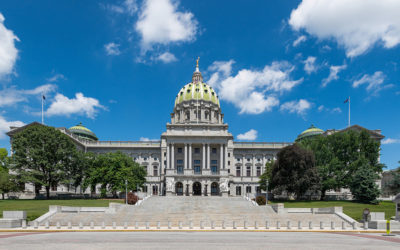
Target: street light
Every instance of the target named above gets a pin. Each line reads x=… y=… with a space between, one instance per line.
x=266 y=195
x=126 y=192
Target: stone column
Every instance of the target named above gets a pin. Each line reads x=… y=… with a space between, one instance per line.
x=221 y=156
x=244 y=172
x=263 y=164
x=204 y=157
x=190 y=156
x=172 y=166
x=168 y=156
x=253 y=171
x=185 y=157
x=208 y=156
x=226 y=156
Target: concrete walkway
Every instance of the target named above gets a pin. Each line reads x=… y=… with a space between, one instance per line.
x=196 y=240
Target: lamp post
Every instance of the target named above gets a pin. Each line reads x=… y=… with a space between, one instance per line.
x=266 y=194
x=126 y=192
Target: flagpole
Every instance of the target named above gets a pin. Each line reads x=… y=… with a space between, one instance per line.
x=42 y=111
x=349 y=112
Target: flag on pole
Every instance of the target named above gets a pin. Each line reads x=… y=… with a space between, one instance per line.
x=347 y=100
x=44 y=98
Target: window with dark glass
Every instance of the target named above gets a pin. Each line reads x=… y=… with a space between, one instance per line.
x=197 y=166
x=237 y=171
x=155 y=171
x=248 y=171
x=238 y=190
x=214 y=166
x=214 y=150
x=258 y=171
x=197 y=150
x=229 y=154
x=258 y=190
x=248 y=189
x=179 y=150
x=229 y=163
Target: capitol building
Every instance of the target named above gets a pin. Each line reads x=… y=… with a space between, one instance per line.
x=196 y=155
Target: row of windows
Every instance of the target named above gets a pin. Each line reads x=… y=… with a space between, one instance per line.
x=248 y=190
x=248 y=159
x=145 y=158
x=196 y=151
x=248 y=171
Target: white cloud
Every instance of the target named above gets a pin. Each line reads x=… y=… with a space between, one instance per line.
x=166 y=57
x=56 y=78
x=8 y=52
x=322 y=108
x=11 y=96
x=309 y=64
x=333 y=74
x=299 y=40
x=147 y=139
x=390 y=141
x=160 y=22
x=299 y=107
x=112 y=49
x=128 y=6
x=252 y=91
x=356 y=25
x=5 y=126
x=250 y=135
x=79 y=105
x=374 y=82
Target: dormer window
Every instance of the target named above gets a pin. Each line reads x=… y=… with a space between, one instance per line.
x=197 y=90
x=205 y=91
x=181 y=92
x=188 y=90
x=212 y=93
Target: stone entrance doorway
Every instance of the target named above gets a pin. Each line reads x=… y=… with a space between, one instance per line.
x=179 y=188
x=214 y=188
x=197 y=188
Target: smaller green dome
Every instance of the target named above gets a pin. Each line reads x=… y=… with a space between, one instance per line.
x=310 y=132
x=83 y=132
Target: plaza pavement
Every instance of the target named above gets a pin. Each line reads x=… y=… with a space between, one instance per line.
x=196 y=240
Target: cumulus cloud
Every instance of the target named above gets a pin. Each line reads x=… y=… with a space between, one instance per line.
x=309 y=64
x=128 y=6
x=56 y=78
x=252 y=91
x=299 y=40
x=299 y=107
x=8 y=52
x=333 y=74
x=374 y=82
x=357 y=25
x=147 y=139
x=166 y=57
x=80 y=105
x=248 y=136
x=11 y=95
x=390 y=141
x=160 y=22
x=5 y=126
x=322 y=108
x=112 y=49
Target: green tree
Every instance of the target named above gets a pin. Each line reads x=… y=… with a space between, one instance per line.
x=42 y=155
x=111 y=170
x=394 y=184
x=294 y=171
x=335 y=156
x=266 y=175
x=7 y=182
x=363 y=186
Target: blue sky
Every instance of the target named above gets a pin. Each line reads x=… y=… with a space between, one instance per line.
x=278 y=66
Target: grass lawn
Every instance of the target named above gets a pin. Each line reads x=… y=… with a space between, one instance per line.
x=36 y=208
x=351 y=208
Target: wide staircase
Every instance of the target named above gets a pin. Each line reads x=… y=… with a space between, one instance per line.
x=194 y=210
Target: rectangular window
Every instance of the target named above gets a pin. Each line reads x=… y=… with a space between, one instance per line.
x=179 y=162
x=145 y=158
x=258 y=190
x=214 y=150
x=197 y=150
x=248 y=159
x=144 y=189
x=229 y=154
x=238 y=190
x=155 y=171
x=248 y=171
x=229 y=163
x=258 y=171
x=215 y=162
x=248 y=189
x=258 y=159
x=197 y=170
x=197 y=162
x=179 y=169
x=238 y=159
x=180 y=150
x=155 y=158
x=238 y=171
x=214 y=169
x=165 y=153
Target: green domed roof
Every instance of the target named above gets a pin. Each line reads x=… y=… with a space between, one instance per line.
x=197 y=91
x=83 y=132
x=310 y=132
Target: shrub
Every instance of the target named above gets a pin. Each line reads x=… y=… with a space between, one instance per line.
x=260 y=200
x=132 y=198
